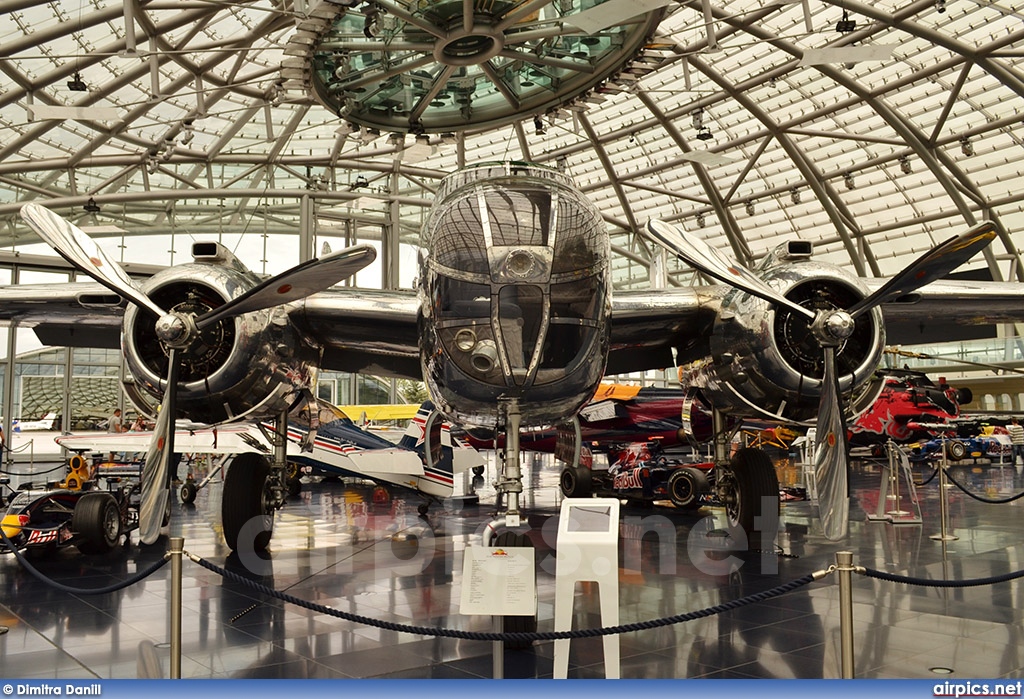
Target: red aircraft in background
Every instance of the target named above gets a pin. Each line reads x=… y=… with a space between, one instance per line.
x=908 y=401
x=620 y=415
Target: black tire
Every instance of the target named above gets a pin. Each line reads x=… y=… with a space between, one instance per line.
x=97 y=521
x=478 y=470
x=576 y=482
x=188 y=492
x=516 y=624
x=294 y=486
x=243 y=498
x=754 y=484
x=423 y=508
x=685 y=486
x=956 y=450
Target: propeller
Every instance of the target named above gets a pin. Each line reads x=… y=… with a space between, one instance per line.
x=830 y=328
x=177 y=330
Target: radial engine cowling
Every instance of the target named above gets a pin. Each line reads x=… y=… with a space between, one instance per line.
x=766 y=361
x=248 y=365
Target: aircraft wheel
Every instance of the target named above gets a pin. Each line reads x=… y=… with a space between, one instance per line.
x=478 y=470
x=516 y=624
x=97 y=520
x=188 y=492
x=752 y=497
x=956 y=450
x=685 y=486
x=244 y=498
x=575 y=482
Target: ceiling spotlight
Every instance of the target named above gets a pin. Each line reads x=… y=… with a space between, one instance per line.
x=91 y=206
x=846 y=25
x=704 y=133
x=700 y=220
x=76 y=84
x=371 y=25
x=940 y=6
x=966 y=147
x=794 y=195
x=698 y=118
x=905 y=167
x=538 y=126
x=848 y=180
x=750 y=208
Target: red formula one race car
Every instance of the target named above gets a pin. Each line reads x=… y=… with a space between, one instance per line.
x=642 y=473
x=89 y=513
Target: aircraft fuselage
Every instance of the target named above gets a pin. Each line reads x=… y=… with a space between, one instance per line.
x=514 y=295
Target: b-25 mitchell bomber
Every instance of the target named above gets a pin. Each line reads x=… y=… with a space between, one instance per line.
x=514 y=324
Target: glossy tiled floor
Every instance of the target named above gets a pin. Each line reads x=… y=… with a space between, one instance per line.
x=382 y=561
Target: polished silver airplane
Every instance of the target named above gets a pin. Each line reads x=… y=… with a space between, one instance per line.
x=514 y=325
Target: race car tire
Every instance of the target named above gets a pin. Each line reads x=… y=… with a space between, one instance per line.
x=516 y=624
x=188 y=492
x=685 y=486
x=576 y=482
x=754 y=504
x=956 y=450
x=244 y=499
x=97 y=521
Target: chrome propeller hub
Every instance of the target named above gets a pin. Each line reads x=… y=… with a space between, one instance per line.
x=176 y=330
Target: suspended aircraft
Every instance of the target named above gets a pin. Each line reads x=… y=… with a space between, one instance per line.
x=514 y=325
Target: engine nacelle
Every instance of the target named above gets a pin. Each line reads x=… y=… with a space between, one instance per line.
x=765 y=360
x=249 y=365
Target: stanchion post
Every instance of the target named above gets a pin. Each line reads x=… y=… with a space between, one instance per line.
x=844 y=569
x=498 y=650
x=176 y=551
x=943 y=534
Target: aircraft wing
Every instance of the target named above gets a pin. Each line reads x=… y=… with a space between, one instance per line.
x=971 y=307
x=72 y=315
x=647 y=325
x=376 y=332
x=229 y=439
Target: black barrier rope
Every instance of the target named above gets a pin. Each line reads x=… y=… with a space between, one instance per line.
x=36 y=473
x=114 y=587
x=972 y=582
x=980 y=498
x=928 y=480
x=517 y=637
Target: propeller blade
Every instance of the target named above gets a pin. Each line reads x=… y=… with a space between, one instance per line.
x=830 y=456
x=933 y=265
x=297 y=283
x=155 y=488
x=76 y=247
x=701 y=256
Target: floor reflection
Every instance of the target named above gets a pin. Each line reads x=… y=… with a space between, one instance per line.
x=346 y=547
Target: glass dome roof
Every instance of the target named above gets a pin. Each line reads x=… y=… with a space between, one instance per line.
x=873 y=130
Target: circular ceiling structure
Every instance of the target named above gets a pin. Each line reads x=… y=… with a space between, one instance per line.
x=874 y=130
x=448 y=66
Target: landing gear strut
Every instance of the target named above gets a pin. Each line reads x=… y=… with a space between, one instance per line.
x=748 y=487
x=256 y=488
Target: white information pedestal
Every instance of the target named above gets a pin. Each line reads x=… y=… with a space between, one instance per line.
x=587 y=550
x=499 y=581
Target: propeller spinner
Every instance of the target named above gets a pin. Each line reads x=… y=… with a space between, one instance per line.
x=829 y=329
x=177 y=331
